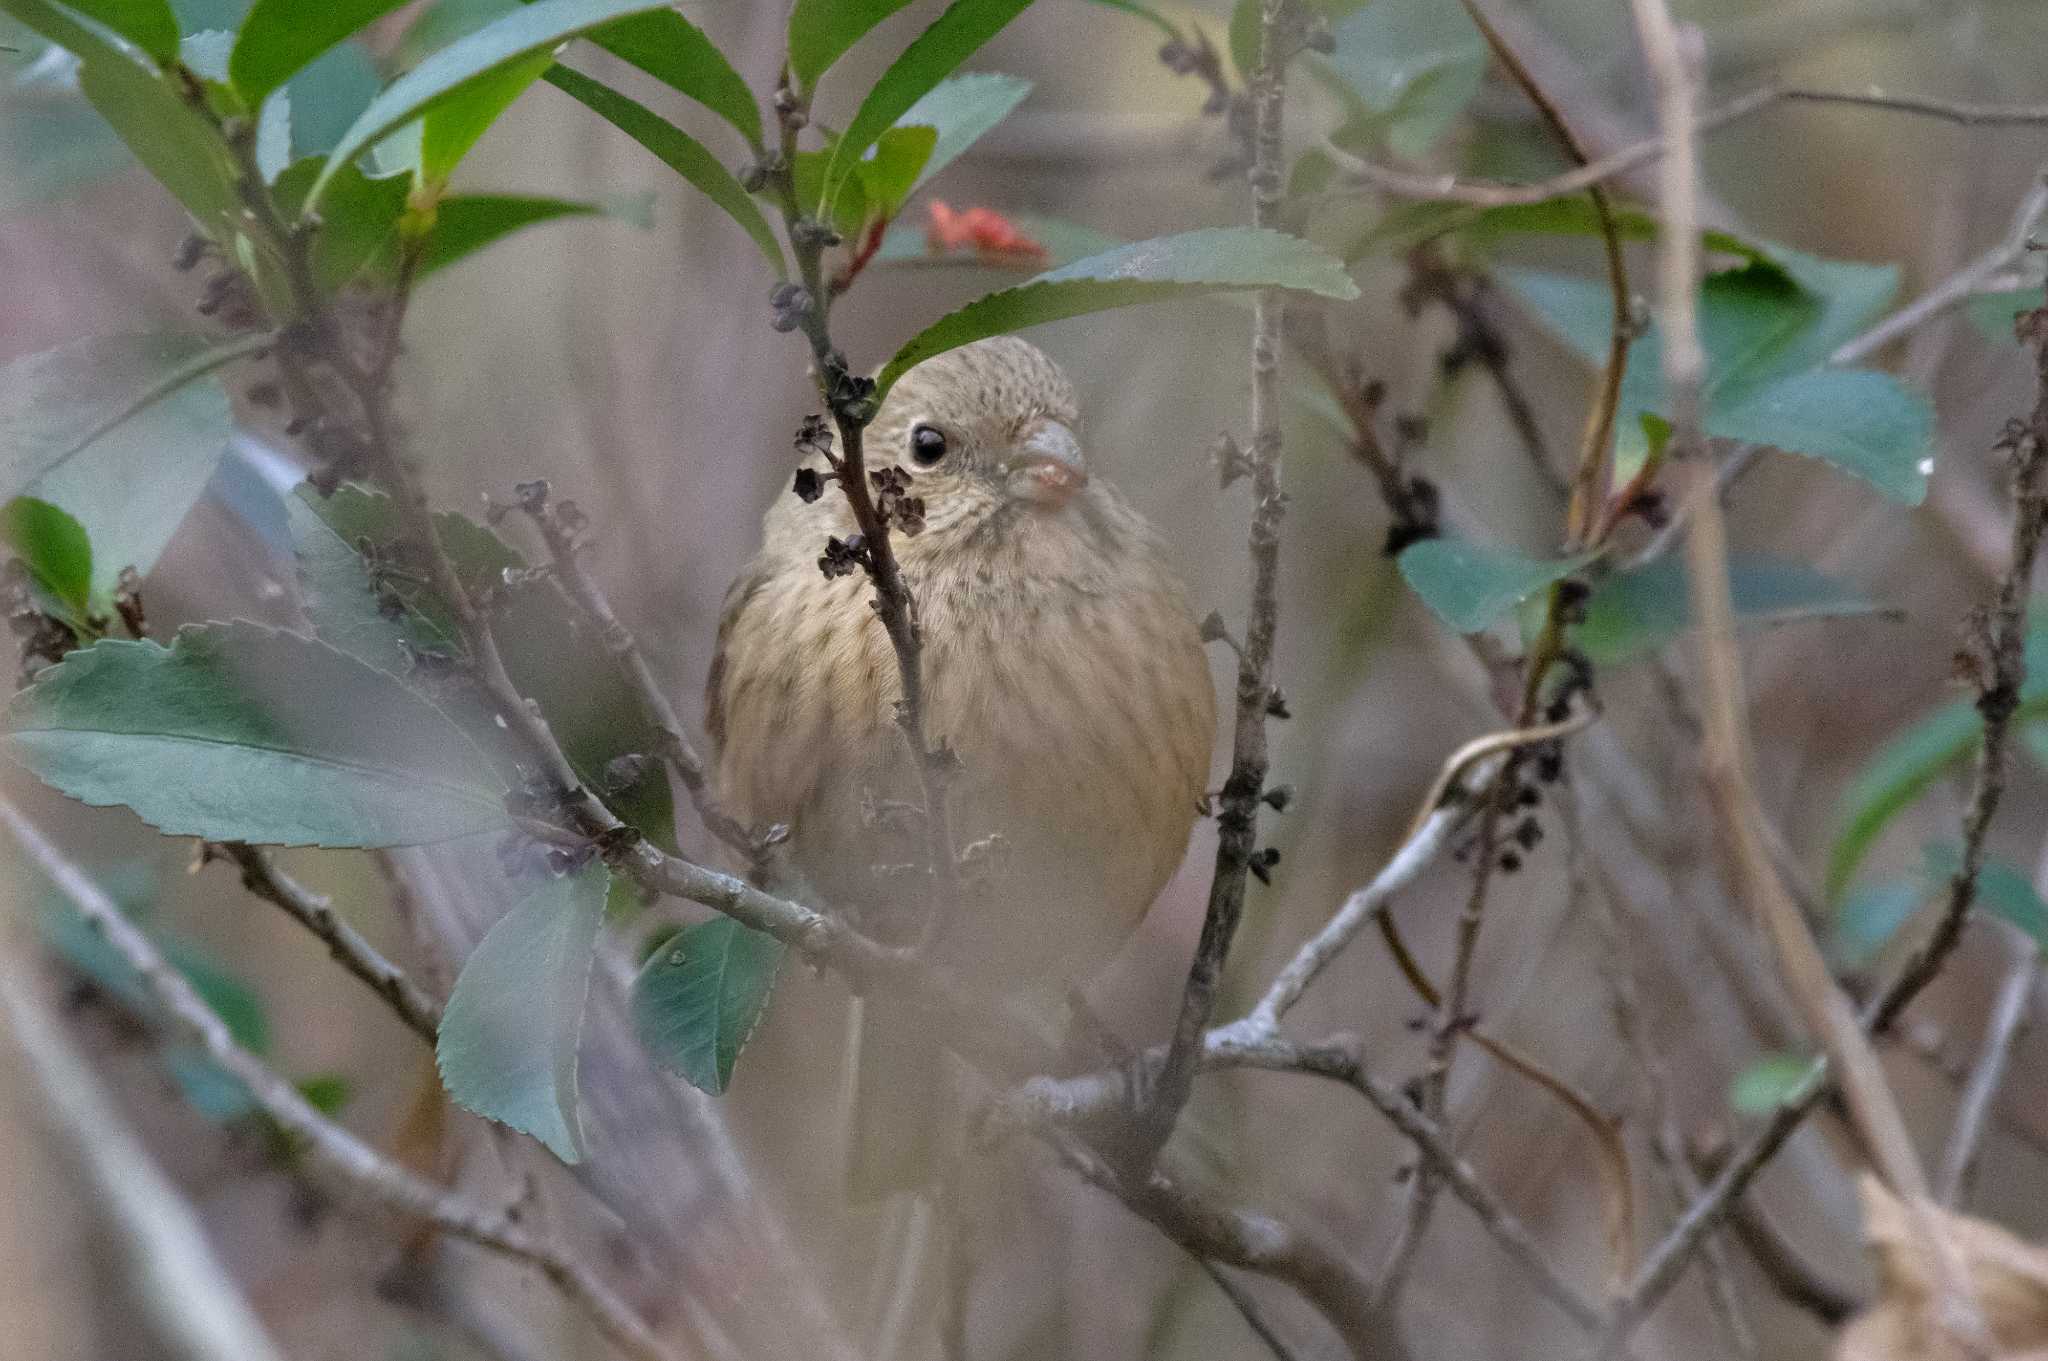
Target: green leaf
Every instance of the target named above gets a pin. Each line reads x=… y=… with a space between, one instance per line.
x=1862 y=421
x=1416 y=63
x=149 y=24
x=675 y=52
x=1773 y=1081
x=55 y=145
x=1243 y=36
x=455 y=122
x=1768 y=328
x=441 y=22
x=174 y=141
x=507 y=1047
x=327 y=1093
x=961 y=111
x=466 y=223
x=820 y=32
x=1638 y=611
x=700 y=996
x=55 y=549
x=932 y=56
x=358 y=220
x=225 y=994
x=504 y=42
x=2003 y=890
x=120 y=432
x=890 y=171
x=280 y=37
x=240 y=733
x=1468 y=585
x=329 y=95
x=676 y=149
x=1904 y=767
x=1892 y=780
x=1870 y=916
x=1191 y=264
x=274 y=136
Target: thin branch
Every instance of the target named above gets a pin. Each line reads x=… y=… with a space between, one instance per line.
x=1956 y=287
x=2007 y=1022
x=1214 y=1232
x=262 y=877
x=350 y=1163
x=566 y=551
x=1237 y=815
x=1248 y=1309
x=1480 y=194
x=1789 y=1273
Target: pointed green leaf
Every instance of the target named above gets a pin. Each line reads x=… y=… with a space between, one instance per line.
x=55 y=549
x=932 y=56
x=329 y=95
x=504 y=42
x=358 y=219
x=1634 y=612
x=678 y=150
x=700 y=996
x=820 y=32
x=280 y=37
x=1416 y=63
x=1217 y=259
x=507 y=1046
x=890 y=170
x=961 y=111
x=174 y=142
x=149 y=24
x=455 y=123
x=466 y=223
x=1773 y=1081
x=675 y=52
x=1469 y=585
x=239 y=733
x=1862 y=421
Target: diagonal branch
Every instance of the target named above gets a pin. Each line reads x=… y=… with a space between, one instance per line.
x=262 y=877
x=352 y=1165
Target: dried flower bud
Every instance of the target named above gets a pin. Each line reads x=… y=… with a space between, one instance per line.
x=843 y=557
x=810 y=485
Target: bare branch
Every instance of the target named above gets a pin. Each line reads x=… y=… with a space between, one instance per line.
x=1237 y=814
x=1478 y=194
x=352 y=1165
x=262 y=877
x=624 y=648
x=2007 y=1022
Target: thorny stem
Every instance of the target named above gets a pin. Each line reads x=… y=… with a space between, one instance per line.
x=1237 y=814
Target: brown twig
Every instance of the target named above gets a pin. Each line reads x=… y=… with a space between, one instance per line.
x=2002 y=1031
x=1237 y=814
x=262 y=877
x=566 y=552
x=351 y=1164
x=1478 y=194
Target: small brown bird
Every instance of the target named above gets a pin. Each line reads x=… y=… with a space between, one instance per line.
x=1060 y=662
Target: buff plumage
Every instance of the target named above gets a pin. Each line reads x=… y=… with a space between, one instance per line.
x=1061 y=662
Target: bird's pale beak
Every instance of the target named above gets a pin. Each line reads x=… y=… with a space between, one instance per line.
x=1049 y=467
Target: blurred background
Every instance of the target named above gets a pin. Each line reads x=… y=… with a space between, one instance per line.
x=629 y=361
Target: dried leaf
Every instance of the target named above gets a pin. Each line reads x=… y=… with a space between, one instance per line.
x=2008 y=1276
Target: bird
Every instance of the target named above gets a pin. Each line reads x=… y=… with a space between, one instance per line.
x=1063 y=672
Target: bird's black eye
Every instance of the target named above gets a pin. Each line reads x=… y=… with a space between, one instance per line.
x=927 y=445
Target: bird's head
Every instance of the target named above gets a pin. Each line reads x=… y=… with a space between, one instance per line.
x=987 y=428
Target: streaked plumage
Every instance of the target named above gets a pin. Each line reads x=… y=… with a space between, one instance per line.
x=1061 y=662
